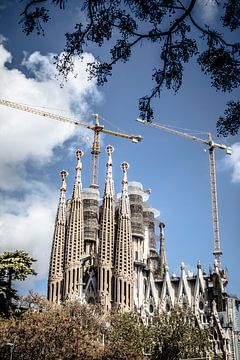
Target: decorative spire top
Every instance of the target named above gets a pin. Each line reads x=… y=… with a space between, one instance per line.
x=63 y=174
x=182 y=266
x=162 y=226
x=62 y=200
x=79 y=155
x=163 y=265
x=124 y=167
x=109 y=186
x=109 y=151
x=125 y=207
x=78 y=182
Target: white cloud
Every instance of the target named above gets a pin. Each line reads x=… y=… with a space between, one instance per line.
x=233 y=162
x=27 y=224
x=28 y=206
x=30 y=137
x=208 y=8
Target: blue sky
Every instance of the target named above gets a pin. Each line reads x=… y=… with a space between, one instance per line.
x=34 y=150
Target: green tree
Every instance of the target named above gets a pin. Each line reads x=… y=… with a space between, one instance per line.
x=14 y=266
x=176 y=335
x=69 y=332
x=126 y=338
x=170 y=25
x=84 y=332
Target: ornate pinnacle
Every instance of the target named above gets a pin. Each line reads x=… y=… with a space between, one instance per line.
x=109 y=186
x=124 y=167
x=61 y=207
x=109 y=151
x=125 y=201
x=79 y=154
x=162 y=226
x=78 y=183
x=64 y=174
x=163 y=266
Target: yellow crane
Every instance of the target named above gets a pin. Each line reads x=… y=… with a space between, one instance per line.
x=97 y=128
x=213 y=183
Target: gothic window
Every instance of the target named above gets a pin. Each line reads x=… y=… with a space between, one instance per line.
x=167 y=307
x=151 y=308
x=201 y=305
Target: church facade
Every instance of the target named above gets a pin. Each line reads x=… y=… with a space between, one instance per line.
x=106 y=253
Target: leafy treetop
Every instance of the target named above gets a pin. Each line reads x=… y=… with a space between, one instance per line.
x=85 y=332
x=16 y=265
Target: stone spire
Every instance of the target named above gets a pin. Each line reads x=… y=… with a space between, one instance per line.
x=106 y=236
x=57 y=253
x=109 y=184
x=123 y=267
x=77 y=189
x=74 y=248
x=162 y=252
x=124 y=205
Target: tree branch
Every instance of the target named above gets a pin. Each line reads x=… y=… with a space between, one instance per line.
x=33 y=2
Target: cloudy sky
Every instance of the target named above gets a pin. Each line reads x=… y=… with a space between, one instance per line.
x=34 y=149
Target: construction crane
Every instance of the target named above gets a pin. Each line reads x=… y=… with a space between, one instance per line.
x=97 y=128
x=213 y=183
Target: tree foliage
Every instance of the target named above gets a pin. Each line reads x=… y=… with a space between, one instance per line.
x=170 y=25
x=177 y=336
x=68 y=332
x=74 y=331
x=127 y=337
x=14 y=266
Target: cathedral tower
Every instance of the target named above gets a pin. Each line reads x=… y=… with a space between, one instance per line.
x=74 y=248
x=106 y=237
x=55 y=278
x=112 y=259
x=162 y=252
x=123 y=266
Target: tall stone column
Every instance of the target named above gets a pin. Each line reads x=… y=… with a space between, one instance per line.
x=106 y=237
x=55 y=278
x=123 y=266
x=162 y=252
x=74 y=249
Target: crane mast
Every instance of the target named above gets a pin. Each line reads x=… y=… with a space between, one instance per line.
x=96 y=128
x=213 y=185
x=95 y=153
x=213 y=182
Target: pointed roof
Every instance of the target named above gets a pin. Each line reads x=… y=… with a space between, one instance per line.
x=62 y=198
x=162 y=252
x=77 y=189
x=124 y=204
x=109 y=184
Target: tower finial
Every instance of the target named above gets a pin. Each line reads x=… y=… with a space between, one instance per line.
x=79 y=155
x=162 y=226
x=163 y=265
x=125 y=167
x=109 y=151
x=109 y=186
x=64 y=174
x=125 y=206
x=78 y=182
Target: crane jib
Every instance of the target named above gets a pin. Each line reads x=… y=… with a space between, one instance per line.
x=97 y=128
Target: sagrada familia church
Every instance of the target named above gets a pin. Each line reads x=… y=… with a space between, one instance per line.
x=106 y=253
